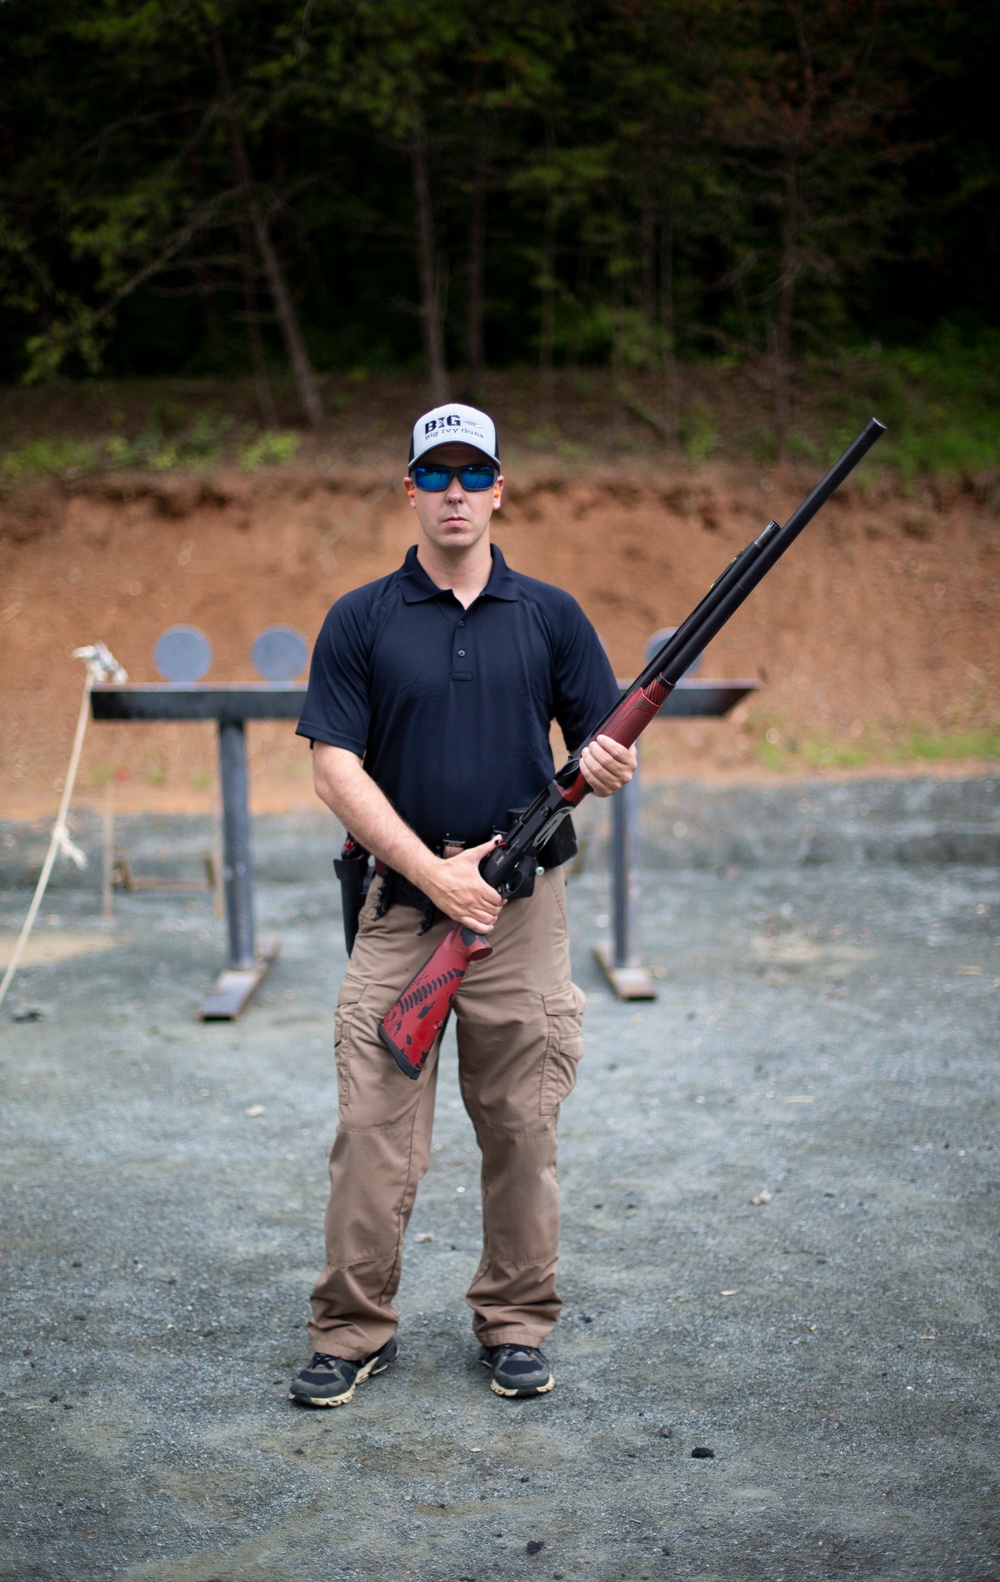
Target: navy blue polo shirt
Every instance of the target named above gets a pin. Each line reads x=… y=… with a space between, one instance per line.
x=450 y=708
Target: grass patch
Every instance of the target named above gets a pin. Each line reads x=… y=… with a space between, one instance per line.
x=269 y=450
x=698 y=434
x=213 y=439
x=947 y=746
x=940 y=401
x=48 y=458
x=781 y=752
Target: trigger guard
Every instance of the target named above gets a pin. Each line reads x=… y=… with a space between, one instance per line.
x=509 y=891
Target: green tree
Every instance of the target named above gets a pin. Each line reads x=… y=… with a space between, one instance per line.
x=648 y=76
x=805 y=101
x=188 y=184
x=387 y=69
x=144 y=176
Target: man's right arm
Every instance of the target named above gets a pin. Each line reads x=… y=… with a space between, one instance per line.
x=455 y=884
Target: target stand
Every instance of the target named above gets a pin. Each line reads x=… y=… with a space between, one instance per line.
x=183 y=655
x=619 y=958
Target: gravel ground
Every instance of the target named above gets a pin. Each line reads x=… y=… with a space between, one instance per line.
x=824 y=1043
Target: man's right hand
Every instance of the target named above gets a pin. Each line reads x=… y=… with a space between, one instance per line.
x=454 y=884
x=459 y=890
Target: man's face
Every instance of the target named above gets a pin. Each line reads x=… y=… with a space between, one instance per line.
x=453 y=518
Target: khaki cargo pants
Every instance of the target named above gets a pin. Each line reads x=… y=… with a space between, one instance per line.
x=518 y=1018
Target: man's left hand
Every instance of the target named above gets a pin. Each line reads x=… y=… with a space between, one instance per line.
x=606 y=765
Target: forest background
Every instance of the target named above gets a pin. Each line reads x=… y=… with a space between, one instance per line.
x=693 y=233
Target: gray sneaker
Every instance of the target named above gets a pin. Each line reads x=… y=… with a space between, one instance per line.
x=331 y=1381
x=517 y=1370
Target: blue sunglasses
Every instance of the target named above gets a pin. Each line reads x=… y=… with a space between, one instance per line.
x=436 y=479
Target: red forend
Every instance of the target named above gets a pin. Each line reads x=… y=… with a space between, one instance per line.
x=625 y=725
x=635 y=711
x=413 y=1023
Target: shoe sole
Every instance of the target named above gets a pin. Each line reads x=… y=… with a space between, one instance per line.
x=537 y=1389
x=367 y=1372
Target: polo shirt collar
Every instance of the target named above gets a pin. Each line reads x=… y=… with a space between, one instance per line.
x=418 y=587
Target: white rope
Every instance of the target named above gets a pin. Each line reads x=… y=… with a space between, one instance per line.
x=101 y=666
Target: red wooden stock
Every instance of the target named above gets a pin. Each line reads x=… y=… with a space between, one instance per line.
x=417 y=1018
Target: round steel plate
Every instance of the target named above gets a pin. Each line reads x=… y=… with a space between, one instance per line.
x=279 y=654
x=182 y=653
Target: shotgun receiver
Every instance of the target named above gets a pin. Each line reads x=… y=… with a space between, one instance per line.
x=415 y=1020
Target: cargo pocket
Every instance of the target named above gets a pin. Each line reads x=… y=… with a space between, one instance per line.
x=348 y=1004
x=563 y=1046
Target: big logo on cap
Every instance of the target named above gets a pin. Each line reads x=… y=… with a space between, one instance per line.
x=452 y=420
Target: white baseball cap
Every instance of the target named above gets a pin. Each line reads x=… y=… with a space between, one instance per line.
x=454 y=423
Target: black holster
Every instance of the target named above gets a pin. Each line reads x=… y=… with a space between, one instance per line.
x=397 y=891
x=353 y=869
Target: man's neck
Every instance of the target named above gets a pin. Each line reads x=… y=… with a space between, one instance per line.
x=465 y=571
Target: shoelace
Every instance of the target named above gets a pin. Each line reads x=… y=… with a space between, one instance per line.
x=518 y=1353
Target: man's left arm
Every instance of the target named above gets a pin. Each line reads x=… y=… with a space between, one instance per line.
x=585 y=690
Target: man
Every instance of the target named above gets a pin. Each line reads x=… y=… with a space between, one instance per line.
x=430 y=700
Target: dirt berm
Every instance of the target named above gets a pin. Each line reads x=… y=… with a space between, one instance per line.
x=879 y=624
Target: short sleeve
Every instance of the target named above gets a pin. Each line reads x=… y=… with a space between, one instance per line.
x=337 y=708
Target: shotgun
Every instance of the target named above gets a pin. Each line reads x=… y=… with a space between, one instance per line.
x=417 y=1017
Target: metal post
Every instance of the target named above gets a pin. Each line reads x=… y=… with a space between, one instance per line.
x=237 y=865
x=625 y=874
x=621 y=960
x=250 y=956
